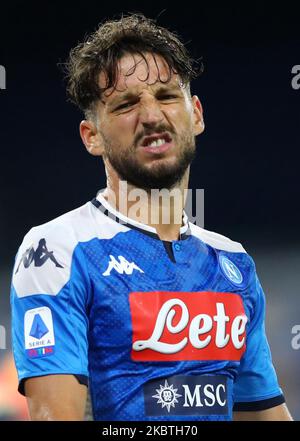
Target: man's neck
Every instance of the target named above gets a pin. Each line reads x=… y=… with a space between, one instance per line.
x=162 y=210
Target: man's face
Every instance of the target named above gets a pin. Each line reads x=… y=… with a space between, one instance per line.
x=147 y=123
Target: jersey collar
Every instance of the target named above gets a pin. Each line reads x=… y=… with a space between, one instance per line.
x=101 y=203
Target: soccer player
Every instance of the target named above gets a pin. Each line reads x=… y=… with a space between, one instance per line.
x=162 y=320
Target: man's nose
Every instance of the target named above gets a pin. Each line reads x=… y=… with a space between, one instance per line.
x=150 y=112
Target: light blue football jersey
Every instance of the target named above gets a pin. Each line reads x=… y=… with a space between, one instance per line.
x=158 y=330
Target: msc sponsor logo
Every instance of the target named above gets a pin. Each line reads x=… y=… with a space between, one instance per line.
x=187 y=326
x=187 y=395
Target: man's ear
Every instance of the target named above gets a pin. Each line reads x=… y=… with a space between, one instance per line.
x=197 y=116
x=91 y=138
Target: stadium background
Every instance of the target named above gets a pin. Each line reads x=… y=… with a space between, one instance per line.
x=247 y=158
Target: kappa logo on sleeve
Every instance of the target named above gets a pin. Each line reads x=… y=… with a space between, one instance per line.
x=38 y=256
x=39 y=332
x=174 y=326
x=39 y=269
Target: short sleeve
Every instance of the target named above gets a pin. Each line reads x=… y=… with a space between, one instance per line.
x=256 y=386
x=49 y=301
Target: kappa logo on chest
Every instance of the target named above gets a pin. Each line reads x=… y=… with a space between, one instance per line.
x=122 y=266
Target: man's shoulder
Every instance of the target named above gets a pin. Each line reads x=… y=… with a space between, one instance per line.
x=235 y=262
x=69 y=227
x=65 y=232
x=216 y=240
x=44 y=259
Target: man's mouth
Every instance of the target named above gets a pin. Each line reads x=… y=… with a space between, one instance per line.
x=156 y=139
x=157 y=143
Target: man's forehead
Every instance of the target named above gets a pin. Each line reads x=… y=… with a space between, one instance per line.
x=136 y=71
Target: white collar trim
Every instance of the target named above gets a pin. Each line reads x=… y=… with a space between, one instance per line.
x=183 y=229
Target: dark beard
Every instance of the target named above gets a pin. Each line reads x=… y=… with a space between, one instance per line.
x=157 y=177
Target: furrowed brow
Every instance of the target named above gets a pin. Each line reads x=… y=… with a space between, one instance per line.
x=131 y=95
x=120 y=98
x=168 y=88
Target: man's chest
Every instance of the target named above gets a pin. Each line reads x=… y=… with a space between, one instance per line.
x=159 y=310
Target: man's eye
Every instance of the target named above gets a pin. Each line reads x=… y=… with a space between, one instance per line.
x=167 y=97
x=124 y=106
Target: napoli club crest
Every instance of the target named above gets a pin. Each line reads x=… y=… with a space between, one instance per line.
x=230 y=271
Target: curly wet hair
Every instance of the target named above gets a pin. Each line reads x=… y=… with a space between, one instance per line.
x=101 y=51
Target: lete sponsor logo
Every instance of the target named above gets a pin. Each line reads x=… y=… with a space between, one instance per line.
x=187 y=326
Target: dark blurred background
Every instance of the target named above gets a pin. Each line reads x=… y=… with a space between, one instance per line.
x=247 y=158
